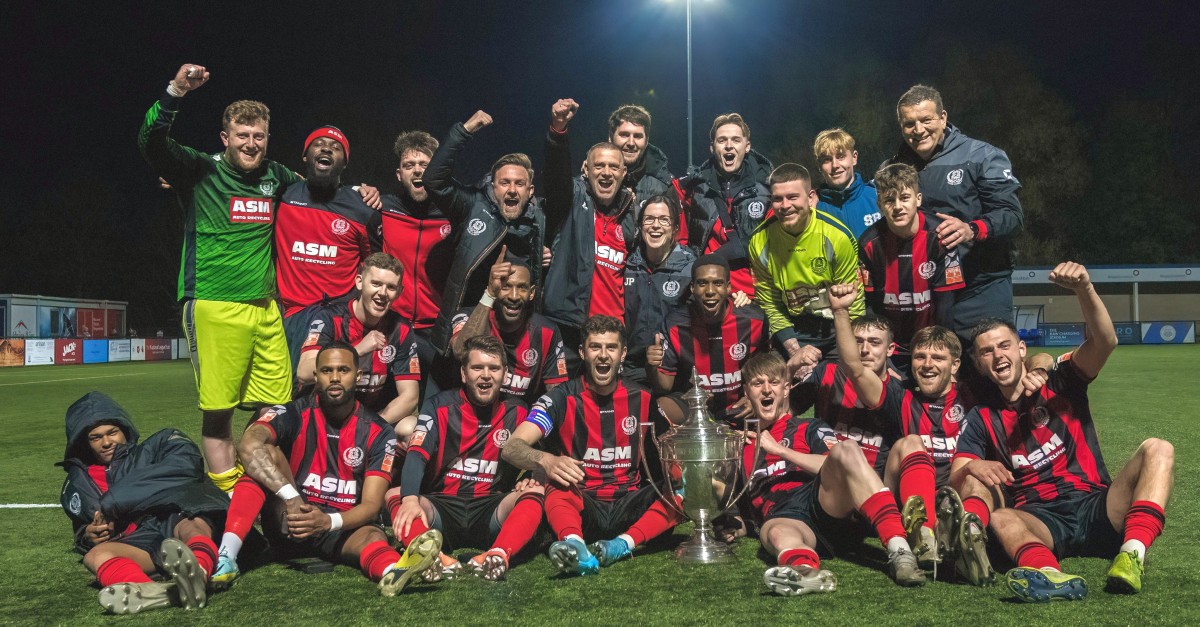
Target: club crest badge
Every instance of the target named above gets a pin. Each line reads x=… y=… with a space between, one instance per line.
x=738 y=351
x=629 y=425
x=956 y=413
x=1041 y=416
x=445 y=230
x=476 y=227
x=756 y=209
x=500 y=437
x=820 y=265
x=339 y=226
x=267 y=188
x=671 y=289
x=387 y=354
x=75 y=505
x=529 y=358
x=353 y=456
x=954 y=177
x=619 y=232
x=927 y=269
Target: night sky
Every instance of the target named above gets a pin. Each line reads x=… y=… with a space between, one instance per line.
x=79 y=77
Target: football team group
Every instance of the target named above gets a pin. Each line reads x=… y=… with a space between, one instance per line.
x=466 y=361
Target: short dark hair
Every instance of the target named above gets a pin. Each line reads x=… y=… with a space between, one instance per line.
x=918 y=94
x=416 y=141
x=989 y=324
x=632 y=113
x=788 y=172
x=937 y=337
x=711 y=260
x=895 y=178
x=383 y=261
x=486 y=344
x=728 y=118
x=599 y=325
x=336 y=345
x=769 y=363
x=670 y=200
x=605 y=145
x=872 y=321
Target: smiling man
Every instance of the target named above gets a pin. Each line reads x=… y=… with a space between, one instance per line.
x=645 y=165
x=969 y=185
x=843 y=193
x=226 y=277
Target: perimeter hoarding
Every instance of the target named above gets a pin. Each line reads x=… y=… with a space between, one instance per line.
x=39 y=352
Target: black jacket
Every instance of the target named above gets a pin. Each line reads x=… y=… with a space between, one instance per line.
x=160 y=476
x=745 y=196
x=479 y=230
x=651 y=177
x=973 y=181
x=571 y=217
x=651 y=293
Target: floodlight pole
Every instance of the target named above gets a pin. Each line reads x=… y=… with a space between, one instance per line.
x=691 y=164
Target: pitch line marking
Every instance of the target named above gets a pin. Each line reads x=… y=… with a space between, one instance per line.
x=103 y=376
x=28 y=505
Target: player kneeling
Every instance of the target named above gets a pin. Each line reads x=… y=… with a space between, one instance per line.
x=343 y=455
x=138 y=508
x=1044 y=450
x=594 y=488
x=467 y=493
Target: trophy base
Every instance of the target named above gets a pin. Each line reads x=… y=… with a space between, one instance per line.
x=703 y=549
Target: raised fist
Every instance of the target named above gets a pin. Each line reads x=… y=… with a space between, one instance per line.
x=561 y=114
x=189 y=77
x=477 y=121
x=1070 y=275
x=842 y=296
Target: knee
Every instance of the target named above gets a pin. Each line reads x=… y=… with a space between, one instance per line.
x=908 y=445
x=1159 y=450
x=845 y=454
x=1003 y=520
x=96 y=556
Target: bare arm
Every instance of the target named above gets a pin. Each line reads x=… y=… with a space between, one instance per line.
x=519 y=452
x=868 y=384
x=405 y=403
x=1092 y=354
x=306 y=368
x=255 y=451
x=477 y=322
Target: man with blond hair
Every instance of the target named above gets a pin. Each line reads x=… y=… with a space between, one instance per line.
x=843 y=194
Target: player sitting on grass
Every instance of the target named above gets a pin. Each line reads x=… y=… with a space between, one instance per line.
x=594 y=487
x=1043 y=449
x=329 y=461
x=138 y=508
x=453 y=479
x=812 y=504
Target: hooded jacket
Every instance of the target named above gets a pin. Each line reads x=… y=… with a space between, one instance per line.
x=162 y=475
x=650 y=293
x=652 y=177
x=972 y=180
x=570 y=215
x=856 y=206
x=479 y=231
x=419 y=235
x=745 y=197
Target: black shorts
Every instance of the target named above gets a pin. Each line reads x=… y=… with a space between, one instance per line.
x=606 y=519
x=466 y=522
x=1079 y=525
x=327 y=546
x=833 y=534
x=150 y=533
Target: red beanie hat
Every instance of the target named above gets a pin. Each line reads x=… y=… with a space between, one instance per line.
x=329 y=131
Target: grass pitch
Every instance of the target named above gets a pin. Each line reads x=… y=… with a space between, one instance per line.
x=1144 y=391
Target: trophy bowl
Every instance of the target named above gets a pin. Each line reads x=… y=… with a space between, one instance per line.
x=702 y=465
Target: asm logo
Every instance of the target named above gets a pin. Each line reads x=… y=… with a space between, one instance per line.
x=939 y=444
x=470 y=464
x=865 y=438
x=776 y=468
x=331 y=484
x=249 y=209
x=371 y=381
x=609 y=253
x=314 y=250
x=906 y=298
x=608 y=454
x=1037 y=457
x=718 y=379
x=516 y=382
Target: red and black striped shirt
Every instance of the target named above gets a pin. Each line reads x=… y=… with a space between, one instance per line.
x=1048 y=441
x=939 y=421
x=535 y=355
x=833 y=398
x=773 y=477
x=602 y=431
x=461 y=444
x=899 y=276
x=381 y=368
x=330 y=462
x=717 y=350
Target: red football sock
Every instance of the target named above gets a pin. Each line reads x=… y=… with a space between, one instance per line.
x=120 y=570
x=375 y=558
x=244 y=506
x=800 y=557
x=975 y=505
x=564 y=510
x=918 y=477
x=1035 y=555
x=206 y=552
x=1144 y=521
x=521 y=523
x=881 y=510
x=657 y=520
x=415 y=529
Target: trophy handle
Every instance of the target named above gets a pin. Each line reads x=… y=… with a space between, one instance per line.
x=753 y=460
x=648 y=429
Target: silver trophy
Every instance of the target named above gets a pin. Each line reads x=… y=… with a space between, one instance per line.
x=702 y=462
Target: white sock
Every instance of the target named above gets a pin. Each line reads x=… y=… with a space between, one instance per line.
x=231 y=545
x=628 y=540
x=897 y=543
x=388 y=570
x=571 y=536
x=1136 y=546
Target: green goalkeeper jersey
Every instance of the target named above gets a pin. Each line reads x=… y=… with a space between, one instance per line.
x=227 y=233
x=792 y=272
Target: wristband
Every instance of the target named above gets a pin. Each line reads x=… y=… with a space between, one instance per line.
x=287 y=492
x=335 y=522
x=175 y=91
x=487 y=300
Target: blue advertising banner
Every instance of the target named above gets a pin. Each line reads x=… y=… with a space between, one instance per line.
x=95 y=351
x=1168 y=332
x=1062 y=334
x=1128 y=332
